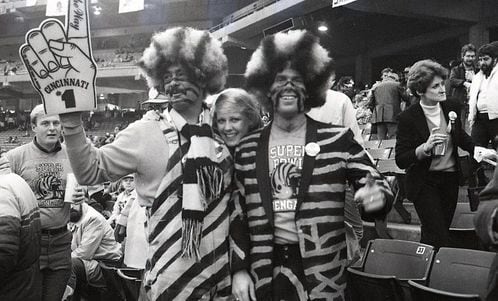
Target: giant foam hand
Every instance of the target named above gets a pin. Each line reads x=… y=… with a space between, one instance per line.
x=60 y=63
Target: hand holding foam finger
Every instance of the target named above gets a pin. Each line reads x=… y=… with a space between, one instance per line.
x=60 y=63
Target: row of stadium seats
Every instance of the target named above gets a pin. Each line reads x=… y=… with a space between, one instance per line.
x=403 y=270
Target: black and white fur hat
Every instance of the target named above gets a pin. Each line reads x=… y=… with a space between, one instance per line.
x=195 y=49
x=304 y=53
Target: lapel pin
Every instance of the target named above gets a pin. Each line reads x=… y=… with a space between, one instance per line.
x=312 y=149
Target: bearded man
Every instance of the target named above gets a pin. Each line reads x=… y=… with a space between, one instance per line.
x=287 y=231
x=182 y=171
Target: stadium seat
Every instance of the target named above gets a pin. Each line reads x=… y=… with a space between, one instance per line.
x=370 y=287
x=423 y=293
x=379 y=153
x=388 y=143
x=399 y=259
x=114 y=284
x=462 y=231
x=372 y=144
x=132 y=281
x=462 y=271
x=406 y=260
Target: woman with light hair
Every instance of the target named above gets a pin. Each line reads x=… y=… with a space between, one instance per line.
x=235 y=114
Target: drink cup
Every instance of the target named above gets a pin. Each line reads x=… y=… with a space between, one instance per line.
x=440 y=149
x=71 y=185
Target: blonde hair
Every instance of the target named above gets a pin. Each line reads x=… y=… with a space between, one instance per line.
x=241 y=101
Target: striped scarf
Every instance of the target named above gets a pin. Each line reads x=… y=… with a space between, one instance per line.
x=202 y=180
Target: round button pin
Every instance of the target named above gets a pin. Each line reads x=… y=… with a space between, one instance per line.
x=312 y=149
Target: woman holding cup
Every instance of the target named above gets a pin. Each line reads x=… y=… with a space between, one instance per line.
x=429 y=134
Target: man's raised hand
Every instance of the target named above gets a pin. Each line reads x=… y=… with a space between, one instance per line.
x=60 y=63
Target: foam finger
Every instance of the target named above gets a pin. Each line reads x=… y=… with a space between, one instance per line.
x=77 y=25
x=37 y=42
x=53 y=30
x=33 y=64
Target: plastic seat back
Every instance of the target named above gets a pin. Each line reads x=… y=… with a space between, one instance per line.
x=370 y=287
x=462 y=271
x=400 y=258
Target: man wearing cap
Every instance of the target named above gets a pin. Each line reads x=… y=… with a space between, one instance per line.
x=182 y=171
x=44 y=165
x=287 y=230
x=128 y=185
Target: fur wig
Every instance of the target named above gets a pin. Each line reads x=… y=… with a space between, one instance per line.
x=197 y=50
x=304 y=53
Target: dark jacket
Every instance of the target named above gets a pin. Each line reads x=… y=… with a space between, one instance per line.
x=412 y=132
x=457 y=78
x=319 y=212
x=388 y=96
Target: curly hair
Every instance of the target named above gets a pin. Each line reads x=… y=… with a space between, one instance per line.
x=422 y=73
x=196 y=50
x=303 y=52
x=241 y=101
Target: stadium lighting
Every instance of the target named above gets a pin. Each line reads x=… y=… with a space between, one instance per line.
x=323 y=28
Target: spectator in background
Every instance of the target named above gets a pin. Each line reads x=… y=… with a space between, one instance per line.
x=385 y=100
x=345 y=85
x=20 y=226
x=483 y=102
x=426 y=146
x=133 y=219
x=461 y=78
x=128 y=185
x=93 y=241
x=44 y=165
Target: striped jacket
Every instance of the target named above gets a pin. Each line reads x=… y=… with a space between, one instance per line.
x=169 y=276
x=319 y=211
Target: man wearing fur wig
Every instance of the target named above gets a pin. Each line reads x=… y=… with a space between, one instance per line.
x=182 y=171
x=288 y=236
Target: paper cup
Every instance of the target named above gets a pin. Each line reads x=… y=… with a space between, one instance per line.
x=71 y=185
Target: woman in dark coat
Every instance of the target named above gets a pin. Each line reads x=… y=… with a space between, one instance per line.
x=429 y=134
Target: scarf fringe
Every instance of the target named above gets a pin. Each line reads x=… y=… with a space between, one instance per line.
x=191 y=238
x=210 y=183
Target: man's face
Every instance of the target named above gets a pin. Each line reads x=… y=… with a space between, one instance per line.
x=486 y=63
x=469 y=58
x=76 y=213
x=288 y=93
x=47 y=130
x=181 y=89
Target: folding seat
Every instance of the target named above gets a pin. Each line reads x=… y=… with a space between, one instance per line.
x=370 y=144
x=462 y=231
x=132 y=281
x=423 y=293
x=364 y=286
x=388 y=143
x=463 y=271
x=379 y=153
x=385 y=259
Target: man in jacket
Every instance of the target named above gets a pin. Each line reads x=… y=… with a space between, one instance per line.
x=461 y=78
x=287 y=231
x=93 y=241
x=20 y=277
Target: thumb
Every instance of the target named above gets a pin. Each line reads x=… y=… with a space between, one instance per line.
x=77 y=58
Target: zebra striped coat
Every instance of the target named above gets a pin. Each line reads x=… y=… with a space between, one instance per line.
x=319 y=211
